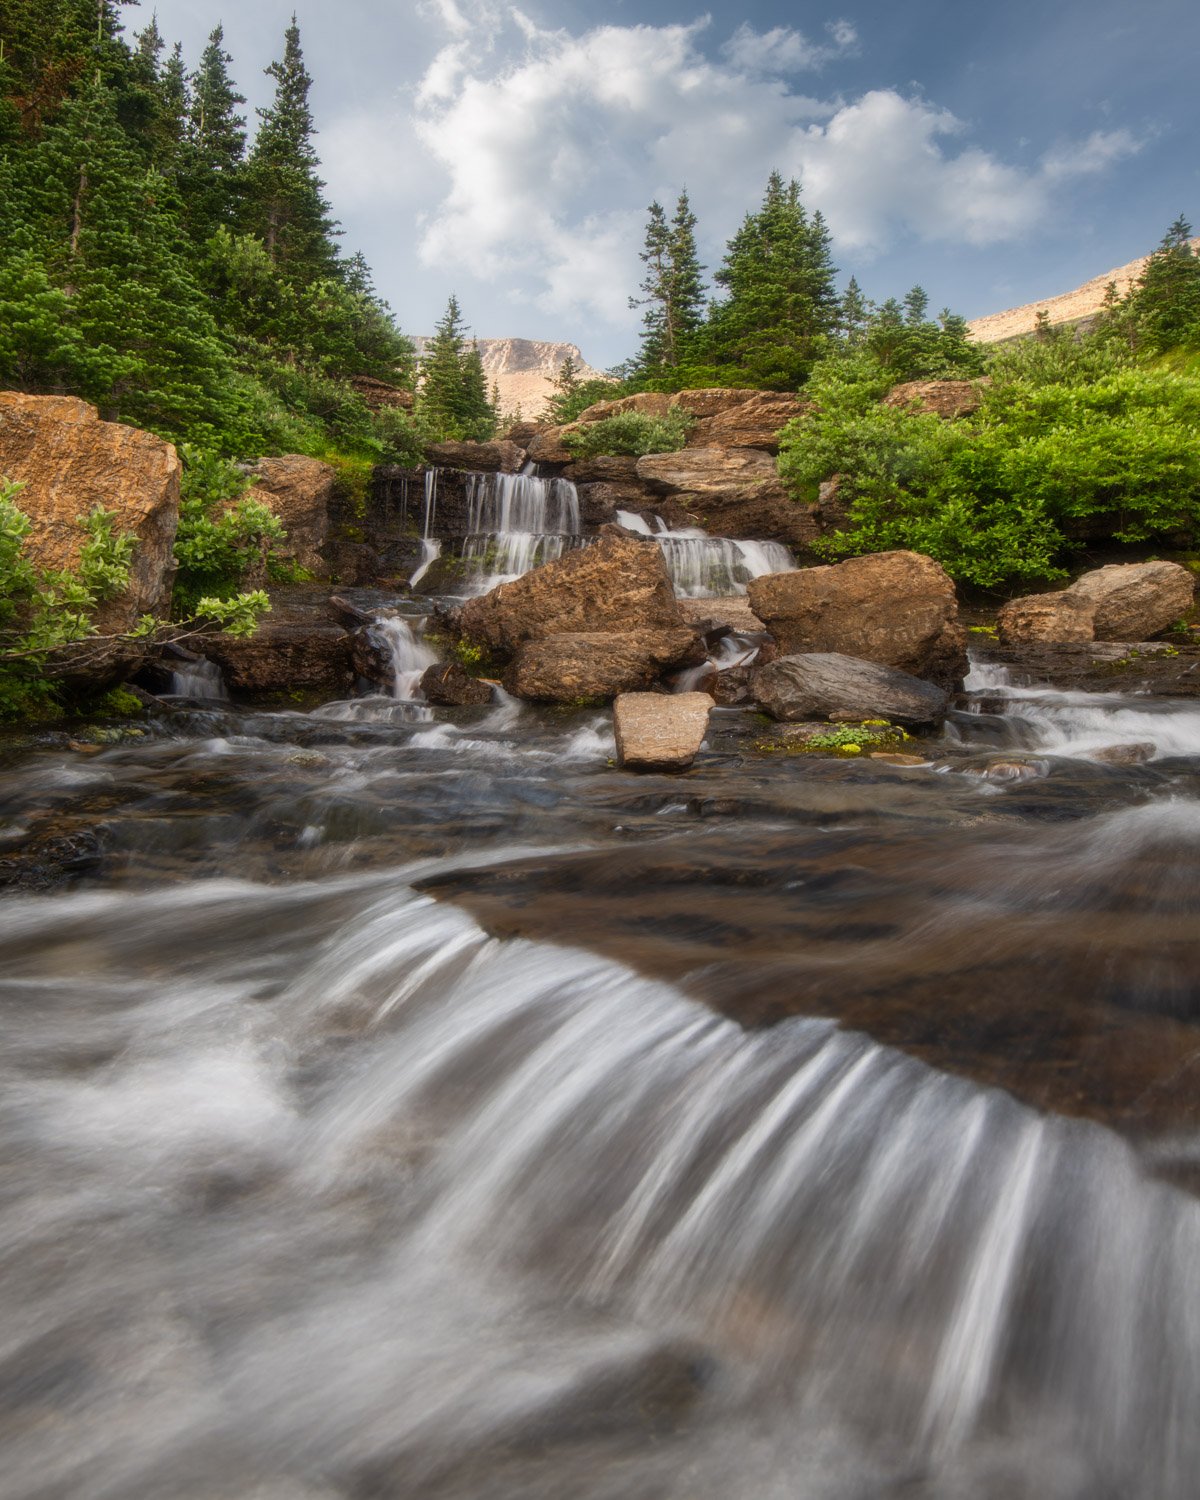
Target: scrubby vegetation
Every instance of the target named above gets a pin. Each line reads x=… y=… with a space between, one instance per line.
x=629 y=432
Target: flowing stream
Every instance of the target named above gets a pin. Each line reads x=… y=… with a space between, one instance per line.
x=402 y=1102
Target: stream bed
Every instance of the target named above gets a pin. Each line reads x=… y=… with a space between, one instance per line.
x=404 y=1102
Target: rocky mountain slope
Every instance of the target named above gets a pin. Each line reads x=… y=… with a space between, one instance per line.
x=525 y=369
x=1067 y=307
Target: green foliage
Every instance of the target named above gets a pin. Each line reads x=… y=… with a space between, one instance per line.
x=630 y=432
x=1070 y=434
x=223 y=537
x=1161 y=312
x=573 y=395
x=453 y=403
x=44 y=610
x=672 y=288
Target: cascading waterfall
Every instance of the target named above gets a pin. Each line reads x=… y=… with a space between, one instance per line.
x=516 y=522
x=201 y=680
x=409 y=652
x=707 y=567
x=431 y=547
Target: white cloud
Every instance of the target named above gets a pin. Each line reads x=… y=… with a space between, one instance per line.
x=551 y=144
x=1083 y=158
x=784 y=50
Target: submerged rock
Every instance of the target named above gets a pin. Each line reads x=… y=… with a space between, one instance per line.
x=594 y=666
x=1135 y=754
x=660 y=732
x=1136 y=601
x=450 y=684
x=1063 y=616
x=619 y=584
x=825 y=685
x=895 y=608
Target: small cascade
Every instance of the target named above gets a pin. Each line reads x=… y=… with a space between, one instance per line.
x=431 y=547
x=516 y=522
x=410 y=655
x=201 y=680
x=709 y=567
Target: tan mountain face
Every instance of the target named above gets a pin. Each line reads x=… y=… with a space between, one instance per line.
x=525 y=370
x=1068 y=307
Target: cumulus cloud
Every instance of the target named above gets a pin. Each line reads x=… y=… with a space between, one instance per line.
x=551 y=147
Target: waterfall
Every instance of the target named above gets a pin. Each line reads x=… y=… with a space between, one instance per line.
x=409 y=654
x=200 y=679
x=709 y=567
x=431 y=547
x=516 y=522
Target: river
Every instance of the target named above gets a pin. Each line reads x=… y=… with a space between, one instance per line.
x=406 y=1103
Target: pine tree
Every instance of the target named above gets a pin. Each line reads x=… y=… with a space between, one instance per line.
x=916 y=305
x=655 y=255
x=673 y=286
x=81 y=206
x=782 y=301
x=284 y=200
x=441 y=390
x=215 y=145
x=1166 y=300
x=854 y=313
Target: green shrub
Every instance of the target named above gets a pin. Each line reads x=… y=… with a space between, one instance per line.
x=222 y=535
x=629 y=432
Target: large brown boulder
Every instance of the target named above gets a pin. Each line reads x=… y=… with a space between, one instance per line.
x=1136 y=601
x=943 y=398
x=737 y=418
x=299 y=490
x=829 y=685
x=479 y=458
x=895 y=608
x=620 y=583
x=648 y=403
x=730 y=492
x=547 y=446
x=660 y=731
x=1060 y=616
x=70 y=462
x=605 y=468
x=700 y=472
x=592 y=666
x=298 y=646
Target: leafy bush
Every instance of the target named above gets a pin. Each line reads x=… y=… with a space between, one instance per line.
x=223 y=536
x=1070 y=436
x=629 y=432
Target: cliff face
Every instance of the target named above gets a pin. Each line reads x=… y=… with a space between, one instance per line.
x=1067 y=307
x=525 y=369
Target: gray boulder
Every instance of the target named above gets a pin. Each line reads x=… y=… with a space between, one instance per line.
x=825 y=685
x=1136 y=601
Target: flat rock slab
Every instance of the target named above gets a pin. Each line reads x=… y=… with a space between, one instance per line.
x=658 y=731
x=731 y=609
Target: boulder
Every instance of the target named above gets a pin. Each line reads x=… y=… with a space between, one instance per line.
x=379 y=395
x=738 y=418
x=829 y=685
x=660 y=731
x=299 y=490
x=1061 y=616
x=590 y=666
x=620 y=583
x=547 y=447
x=606 y=468
x=298 y=646
x=705 y=471
x=450 y=684
x=477 y=458
x=895 y=608
x=732 y=611
x=649 y=403
x=70 y=462
x=942 y=398
x=730 y=492
x=522 y=433
x=1136 y=601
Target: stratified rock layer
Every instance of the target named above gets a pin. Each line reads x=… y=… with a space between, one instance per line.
x=895 y=608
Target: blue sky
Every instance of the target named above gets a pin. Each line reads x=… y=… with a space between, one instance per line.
x=996 y=153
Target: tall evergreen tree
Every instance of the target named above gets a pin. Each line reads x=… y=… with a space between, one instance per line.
x=284 y=199
x=441 y=374
x=1165 y=303
x=81 y=206
x=672 y=288
x=782 y=301
x=215 y=144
